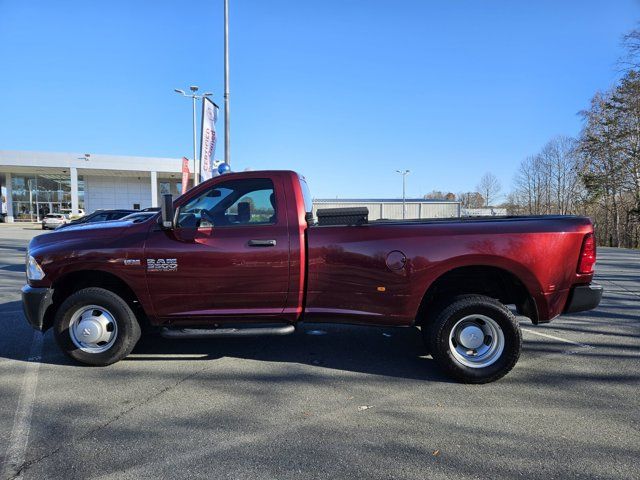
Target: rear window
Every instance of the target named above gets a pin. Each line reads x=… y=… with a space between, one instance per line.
x=53 y=215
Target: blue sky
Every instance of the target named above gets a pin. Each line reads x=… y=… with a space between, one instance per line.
x=344 y=91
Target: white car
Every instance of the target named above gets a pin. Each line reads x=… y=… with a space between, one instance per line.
x=69 y=213
x=53 y=220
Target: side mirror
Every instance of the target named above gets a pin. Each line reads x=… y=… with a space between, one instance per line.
x=188 y=228
x=166 y=211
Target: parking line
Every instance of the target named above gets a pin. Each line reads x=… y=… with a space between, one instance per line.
x=556 y=338
x=17 y=445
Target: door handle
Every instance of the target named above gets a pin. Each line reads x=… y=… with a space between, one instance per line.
x=262 y=243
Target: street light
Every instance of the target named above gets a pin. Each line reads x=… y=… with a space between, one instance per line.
x=404 y=174
x=194 y=96
x=227 y=136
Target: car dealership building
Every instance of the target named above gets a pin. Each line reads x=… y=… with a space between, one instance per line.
x=36 y=183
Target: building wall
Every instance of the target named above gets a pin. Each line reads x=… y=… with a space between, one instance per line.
x=392 y=210
x=110 y=181
x=124 y=163
x=483 y=212
x=102 y=192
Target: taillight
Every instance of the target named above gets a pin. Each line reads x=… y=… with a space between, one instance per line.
x=587 y=254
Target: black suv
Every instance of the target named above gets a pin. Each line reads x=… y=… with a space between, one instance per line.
x=99 y=216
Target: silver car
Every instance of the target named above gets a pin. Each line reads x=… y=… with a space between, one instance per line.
x=53 y=220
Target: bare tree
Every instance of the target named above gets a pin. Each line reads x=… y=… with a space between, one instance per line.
x=598 y=174
x=435 y=195
x=560 y=165
x=470 y=199
x=489 y=187
x=602 y=165
x=439 y=195
x=631 y=43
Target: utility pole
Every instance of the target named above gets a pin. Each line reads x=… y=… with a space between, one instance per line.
x=227 y=140
x=196 y=159
x=404 y=174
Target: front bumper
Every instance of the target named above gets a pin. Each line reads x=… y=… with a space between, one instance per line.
x=35 y=302
x=583 y=297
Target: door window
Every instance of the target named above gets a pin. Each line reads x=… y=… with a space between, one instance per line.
x=232 y=203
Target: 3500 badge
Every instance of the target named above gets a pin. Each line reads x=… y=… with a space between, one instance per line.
x=162 y=264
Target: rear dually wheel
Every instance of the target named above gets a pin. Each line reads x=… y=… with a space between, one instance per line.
x=474 y=338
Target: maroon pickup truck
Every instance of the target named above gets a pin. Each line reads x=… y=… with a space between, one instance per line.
x=242 y=254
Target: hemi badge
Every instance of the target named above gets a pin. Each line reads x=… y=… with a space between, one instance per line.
x=133 y=261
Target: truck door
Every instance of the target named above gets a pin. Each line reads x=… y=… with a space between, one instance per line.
x=236 y=268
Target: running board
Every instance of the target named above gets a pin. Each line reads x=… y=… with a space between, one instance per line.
x=180 y=333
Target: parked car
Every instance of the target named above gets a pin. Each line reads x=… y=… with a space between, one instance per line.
x=100 y=216
x=241 y=254
x=54 y=220
x=71 y=215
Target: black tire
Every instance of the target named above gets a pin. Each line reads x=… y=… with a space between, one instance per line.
x=437 y=336
x=128 y=328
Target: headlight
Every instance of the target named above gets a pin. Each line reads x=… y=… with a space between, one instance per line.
x=34 y=272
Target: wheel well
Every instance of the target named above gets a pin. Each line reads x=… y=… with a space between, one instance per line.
x=72 y=282
x=493 y=282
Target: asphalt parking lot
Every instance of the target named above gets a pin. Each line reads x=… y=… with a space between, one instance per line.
x=342 y=402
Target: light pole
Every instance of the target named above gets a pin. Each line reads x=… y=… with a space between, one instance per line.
x=404 y=174
x=194 y=97
x=227 y=139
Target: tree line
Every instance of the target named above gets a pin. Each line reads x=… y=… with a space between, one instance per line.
x=486 y=194
x=596 y=174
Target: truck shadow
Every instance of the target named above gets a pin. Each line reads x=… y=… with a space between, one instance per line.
x=395 y=352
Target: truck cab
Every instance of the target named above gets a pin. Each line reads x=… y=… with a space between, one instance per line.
x=231 y=253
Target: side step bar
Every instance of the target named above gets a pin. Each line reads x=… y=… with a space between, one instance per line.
x=182 y=333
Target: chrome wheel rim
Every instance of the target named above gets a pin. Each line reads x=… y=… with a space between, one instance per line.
x=476 y=341
x=93 y=329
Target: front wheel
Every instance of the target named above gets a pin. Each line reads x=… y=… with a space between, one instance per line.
x=475 y=339
x=95 y=326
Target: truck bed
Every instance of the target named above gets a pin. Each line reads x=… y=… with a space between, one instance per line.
x=413 y=221
x=349 y=265
x=486 y=218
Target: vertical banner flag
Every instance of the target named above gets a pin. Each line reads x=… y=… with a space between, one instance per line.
x=185 y=174
x=208 y=138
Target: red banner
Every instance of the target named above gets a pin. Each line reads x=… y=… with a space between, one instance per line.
x=185 y=174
